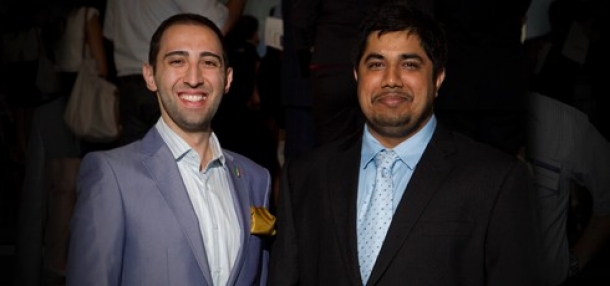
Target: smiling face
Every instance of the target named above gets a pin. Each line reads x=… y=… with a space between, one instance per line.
x=190 y=77
x=396 y=86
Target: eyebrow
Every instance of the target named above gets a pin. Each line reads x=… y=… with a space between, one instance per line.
x=377 y=56
x=185 y=53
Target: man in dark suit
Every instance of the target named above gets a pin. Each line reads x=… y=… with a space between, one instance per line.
x=461 y=212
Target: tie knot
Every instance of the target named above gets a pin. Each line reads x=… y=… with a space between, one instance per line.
x=385 y=158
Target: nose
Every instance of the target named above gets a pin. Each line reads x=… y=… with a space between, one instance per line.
x=193 y=76
x=391 y=77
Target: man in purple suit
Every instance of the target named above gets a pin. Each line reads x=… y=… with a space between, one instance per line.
x=173 y=208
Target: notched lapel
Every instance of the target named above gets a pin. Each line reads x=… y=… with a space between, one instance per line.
x=241 y=201
x=171 y=186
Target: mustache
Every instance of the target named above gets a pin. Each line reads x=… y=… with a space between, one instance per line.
x=392 y=93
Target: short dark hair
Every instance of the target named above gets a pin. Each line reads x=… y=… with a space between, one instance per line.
x=182 y=19
x=393 y=16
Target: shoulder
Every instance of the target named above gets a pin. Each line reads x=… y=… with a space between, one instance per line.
x=465 y=152
x=102 y=171
x=116 y=156
x=335 y=148
x=551 y=111
x=477 y=149
x=343 y=153
x=475 y=166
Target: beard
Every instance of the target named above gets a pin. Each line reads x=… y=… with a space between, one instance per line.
x=397 y=125
x=189 y=121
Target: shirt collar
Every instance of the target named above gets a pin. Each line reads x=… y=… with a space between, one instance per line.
x=180 y=148
x=408 y=151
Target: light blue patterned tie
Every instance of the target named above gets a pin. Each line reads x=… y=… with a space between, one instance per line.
x=377 y=215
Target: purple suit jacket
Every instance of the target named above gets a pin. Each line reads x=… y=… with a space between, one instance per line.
x=134 y=224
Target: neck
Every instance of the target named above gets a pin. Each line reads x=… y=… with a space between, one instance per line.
x=197 y=140
x=201 y=144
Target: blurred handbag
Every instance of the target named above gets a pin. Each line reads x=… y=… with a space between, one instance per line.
x=92 y=110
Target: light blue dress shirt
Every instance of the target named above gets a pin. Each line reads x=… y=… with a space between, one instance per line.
x=409 y=153
x=212 y=201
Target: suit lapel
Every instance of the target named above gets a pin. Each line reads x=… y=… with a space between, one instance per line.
x=429 y=174
x=171 y=186
x=342 y=169
x=241 y=200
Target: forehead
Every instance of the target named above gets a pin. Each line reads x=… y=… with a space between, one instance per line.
x=393 y=42
x=190 y=36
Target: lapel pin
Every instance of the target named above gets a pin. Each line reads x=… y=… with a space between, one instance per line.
x=236 y=171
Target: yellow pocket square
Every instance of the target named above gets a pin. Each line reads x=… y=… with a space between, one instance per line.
x=263 y=222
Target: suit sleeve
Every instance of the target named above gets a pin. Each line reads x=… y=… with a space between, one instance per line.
x=97 y=226
x=283 y=269
x=511 y=246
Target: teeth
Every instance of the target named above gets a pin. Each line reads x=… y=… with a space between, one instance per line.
x=192 y=97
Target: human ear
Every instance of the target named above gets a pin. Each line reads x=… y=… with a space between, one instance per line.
x=228 y=79
x=439 y=80
x=149 y=77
